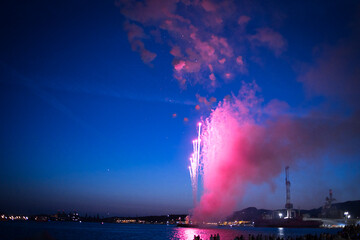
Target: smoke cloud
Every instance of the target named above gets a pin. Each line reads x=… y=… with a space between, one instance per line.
x=335 y=73
x=244 y=142
x=197 y=36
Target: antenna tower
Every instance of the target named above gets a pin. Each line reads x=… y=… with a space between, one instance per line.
x=288 y=205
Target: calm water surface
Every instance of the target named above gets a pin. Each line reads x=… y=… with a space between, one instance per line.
x=109 y=231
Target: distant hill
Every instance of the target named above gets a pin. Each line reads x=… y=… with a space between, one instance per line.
x=353 y=207
x=152 y=219
x=252 y=213
x=248 y=214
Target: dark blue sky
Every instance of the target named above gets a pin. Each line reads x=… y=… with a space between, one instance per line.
x=86 y=125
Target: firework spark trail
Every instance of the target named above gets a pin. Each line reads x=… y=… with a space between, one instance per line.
x=195 y=164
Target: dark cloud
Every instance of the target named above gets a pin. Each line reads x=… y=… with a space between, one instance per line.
x=336 y=72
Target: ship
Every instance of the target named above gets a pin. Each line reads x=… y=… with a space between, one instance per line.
x=187 y=225
x=288 y=223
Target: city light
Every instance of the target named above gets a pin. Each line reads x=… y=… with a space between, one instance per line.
x=11 y=217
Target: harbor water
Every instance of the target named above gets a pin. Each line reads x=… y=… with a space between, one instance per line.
x=110 y=231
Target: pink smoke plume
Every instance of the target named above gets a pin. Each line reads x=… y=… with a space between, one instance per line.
x=195 y=34
x=269 y=38
x=135 y=36
x=246 y=143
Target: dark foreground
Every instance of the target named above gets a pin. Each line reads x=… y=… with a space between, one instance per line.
x=91 y=231
x=350 y=232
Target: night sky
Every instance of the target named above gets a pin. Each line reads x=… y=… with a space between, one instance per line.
x=99 y=101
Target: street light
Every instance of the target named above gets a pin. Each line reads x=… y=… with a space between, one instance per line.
x=280 y=215
x=346 y=216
